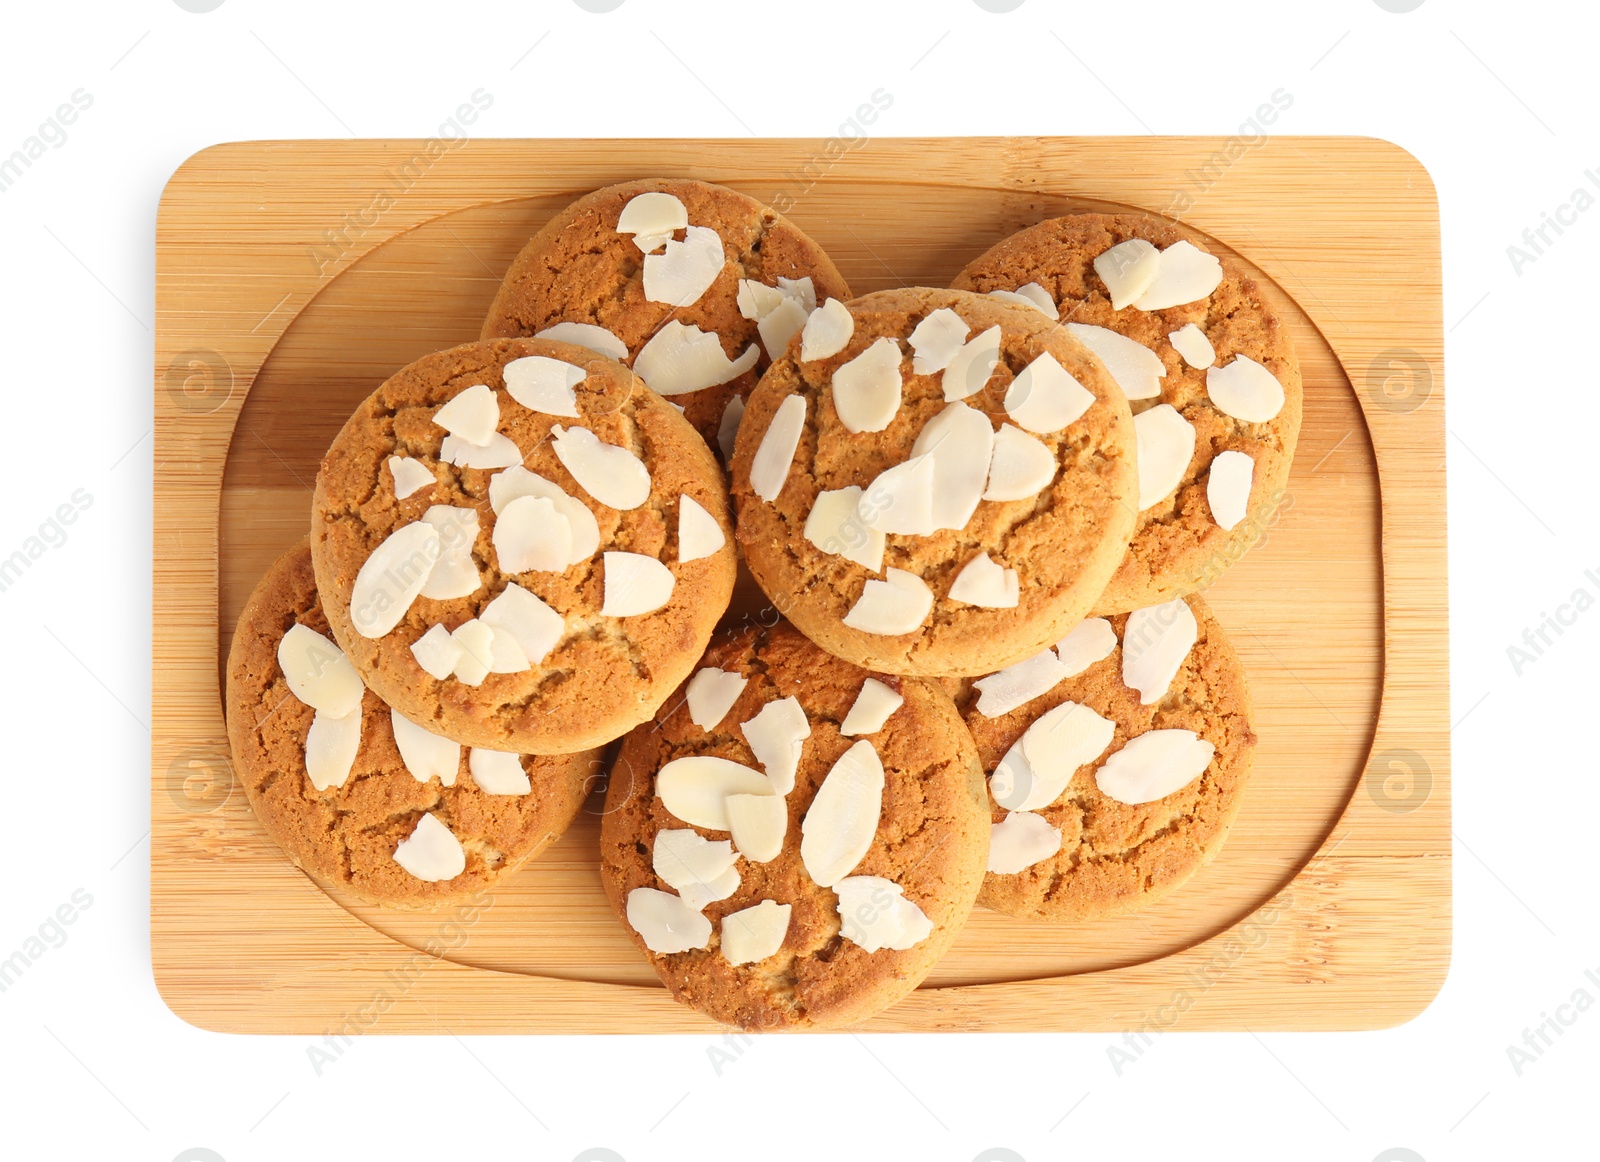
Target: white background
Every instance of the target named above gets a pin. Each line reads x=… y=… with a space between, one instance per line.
x=1497 y=102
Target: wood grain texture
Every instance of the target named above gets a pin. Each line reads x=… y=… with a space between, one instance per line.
x=293 y=277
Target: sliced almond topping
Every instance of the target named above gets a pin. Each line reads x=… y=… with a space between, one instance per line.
x=1021 y=467
x=392 y=577
x=843 y=816
x=666 y=923
x=1245 y=390
x=699 y=534
x=1012 y=780
x=834 y=525
x=1062 y=740
x=1003 y=691
x=471 y=415
x=780 y=325
x=1044 y=397
x=699 y=870
x=506 y=655
x=898 y=604
x=536 y=627
x=652 y=218
x=1228 y=488
x=696 y=788
x=1155 y=641
x=875 y=703
x=425 y=754
x=437 y=652
x=681 y=358
x=1019 y=841
x=970 y=369
x=769 y=468
x=900 y=500
x=499 y=452
x=776 y=736
x=431 y=852
x=608 y=472
x=756 y=300
x=1154 y=765
x=758 y=824
x=1137 y=369
x=1128 y=269
x=1165 y=446
x=936 y=340
x=1090 y=641
x=866 y=390
x=331 y=746
x=594 y=337
x=498 y=772
x=985 y=584
x=635 y=584
x=960 y=440
x=686 y=270
x=874 y=914
x=754 y=933
x=517 y=481
x=827 y=331
x=801 y=290
x=728 y=428
x=1184 y=274
x=711 y=693
x=476 y=641
x=410 y=476
x=455 y=573
x=1028 y=295
x=318 y=673
x=1191 y=342
x=531 y=535
x=542 y=384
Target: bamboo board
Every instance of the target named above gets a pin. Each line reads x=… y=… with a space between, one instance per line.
x=293 y=277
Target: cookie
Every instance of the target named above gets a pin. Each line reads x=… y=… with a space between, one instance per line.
x=669 y=289
x=373 y=827
x=935 y=482
x=521 y=546
x=778 y=769
x=1214 y=383
x=1116 y=761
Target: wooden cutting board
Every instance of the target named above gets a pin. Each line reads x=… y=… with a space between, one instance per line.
x=293 y=277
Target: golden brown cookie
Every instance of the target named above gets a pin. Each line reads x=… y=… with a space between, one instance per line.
x=579 y=268
x=1180 y=546
x=905 y=862
x=1068 y=845
x=581 y=559
x=347 y=835
x=993 y=505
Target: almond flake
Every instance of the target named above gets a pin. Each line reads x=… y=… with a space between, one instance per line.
x=471 y=415
x=728 y=428
x=1155 y=641
x=1228 y=488
x=425 y=754
x=866 y=390
x=542 y=384
x=1021 y=467
x=431 y=852
x=758 y=824
x=1137 y=370
x=960 y=440
x=1191 y=342
x=498 y=772
x=874 y=914
x=318 y=672
x=936 y=340
x=666 y=923
x=1019 y=841
x=898 y=604
x=834 y=525
x=875 y=704
x=499 y=452
x=652 y=218
x=769 y=468
x=756 y=300
x=608 y=472
x=695 y=788
x=1056 y=745
x=699 y=534
x=594 y=337
x=801 y=290
x=843 y=816
x=635 y=584
x=1128 y=269
x=827 y=331
x=780 y=325
x=517 y=481
x=1044 y=397
x=532 y=536
x=1154 y=765
x=476 y=641
x=437 y=652
x=776 y=736
x=681 y=358
x=1165 y=446
x=985 y=584
x=686 y=270
x=711 y=693
x=699 y=870
x=1245 y=390
x=1090 y=641
x=900 y=500
x=1028 y=295
x=455 y=573
x=1184 y=274
x=331 y=746
x=410 y=476
x=1003 y=691
x=754 y=933
x=392 y=577
x=969 y=372
x=535 y=626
